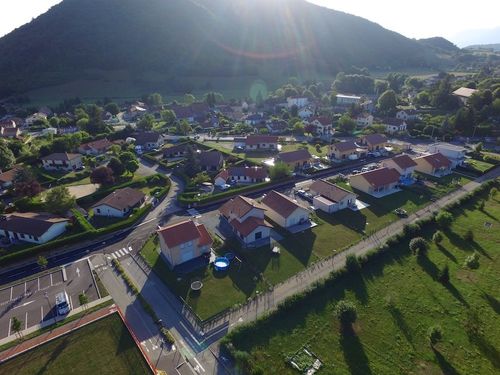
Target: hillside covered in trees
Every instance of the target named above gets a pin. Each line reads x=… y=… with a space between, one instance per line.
x=85 y=39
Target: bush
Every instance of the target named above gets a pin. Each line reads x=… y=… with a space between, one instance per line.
x=444 y=275
x=435 y=334
x=346 y=312
x=444 y=219
x=493 y=192
x=411 y=230
x=472 y=261
x=167 y=336
x=418 y=246
x=437 y=237
x=469 y=235
x=352 y=263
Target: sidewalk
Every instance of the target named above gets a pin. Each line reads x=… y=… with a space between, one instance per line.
x=58 y=332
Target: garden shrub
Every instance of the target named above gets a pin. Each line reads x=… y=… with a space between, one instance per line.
x=418 y=246
x=435 y=334
x=437 y=237
x=346 y=312
x=444 y=219
x=472 y=261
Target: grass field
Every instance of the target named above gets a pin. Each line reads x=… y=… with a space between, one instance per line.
x=103 y=347
x=479 y=165
x=393 y=339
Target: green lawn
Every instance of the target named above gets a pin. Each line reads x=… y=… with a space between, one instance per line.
x=479 y=165
x=220 y=290
x=312 y=149
x=387 y=340
x=103 y=347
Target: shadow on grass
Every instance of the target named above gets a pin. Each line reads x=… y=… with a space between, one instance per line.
x=354 y=353
x=492 y=301
x=53 y=355
x=487 y=348
x=483 y=211
x=358 y=286
x=449 y=255
x=354 y=220
x=428 y=266
x=462 y=243
x=445 y=366
x=400 y=321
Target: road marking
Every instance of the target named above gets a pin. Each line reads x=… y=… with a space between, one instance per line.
x=24 y=304
x=11 y=293
x=125 y=250
x=26 y=321
x=41 y=314
x=199 y=364
x=121 y=252
x=113 y=255
x=25 y=288
x=130 y=248
x=38 y=283
x=51 y=284
x=78 y=271
x=8 y=334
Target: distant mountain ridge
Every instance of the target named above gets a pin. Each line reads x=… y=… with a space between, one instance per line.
x=494 y=46
x=439 y=43
x=81 y=39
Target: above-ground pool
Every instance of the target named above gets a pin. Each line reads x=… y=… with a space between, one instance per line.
x=221 y=263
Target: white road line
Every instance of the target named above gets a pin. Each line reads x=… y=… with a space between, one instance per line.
x=130 y=248
x=113 y=255
x=11 y=292
x=38 y=283
x=51 y=284
x=41 y=314
x=125 y=250
x=9 y=326
x=70 y=303
x=25 y=288
x=199 y=364
x=121 y=252
x=24 y=304
x=26 y=321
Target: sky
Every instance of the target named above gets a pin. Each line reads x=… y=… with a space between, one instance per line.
x=476 y=22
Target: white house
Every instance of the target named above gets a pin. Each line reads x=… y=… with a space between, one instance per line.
x=436 y=165
x=119 y=203
x=246 y=219
x=322 y=125
x=378 y=182
x=62 y=161
x=456 y=154
x=148 y=140
x=329 y=197
x=394 y=125
x=407 y=115
x=261 y=143
x=34 y=227
x=305 y=113
x=345 y=100
x=363 y=120
x=403 y=164
x=182 y=242
x=284 y=211
x=38 y=116
x=241 y=175
x=297 y=100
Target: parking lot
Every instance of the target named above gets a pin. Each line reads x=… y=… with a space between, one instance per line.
x=32 y=301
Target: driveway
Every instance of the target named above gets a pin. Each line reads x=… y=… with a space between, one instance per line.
x=79 y=191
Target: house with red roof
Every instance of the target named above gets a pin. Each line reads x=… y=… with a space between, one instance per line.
x=322 y=125
x=241 y=175
x=436 y=164
x=97 y=147
x=403 y=164
x=295 y=159
x=245 y=216
x=261 y=143
x=329 y=197
x=378 y=182
x=344 y=150
x=374 y=142
x=182 y=242
x=283 y=210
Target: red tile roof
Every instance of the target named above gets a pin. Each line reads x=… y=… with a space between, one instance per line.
x=122 y=198
x=249 y=225
x=63 y=156
x=345 y=146
x=381 y=177
x=375 y=139
x=239 y=206
x=294 y=156
x=256 y=139
x=100 y=145
x=252 y=172
x=9 y=175
x=437 y=160
x=177 y=234
x=404 y=161
x=280 y=203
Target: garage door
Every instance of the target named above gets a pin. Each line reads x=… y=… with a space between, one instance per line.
x=187 y=255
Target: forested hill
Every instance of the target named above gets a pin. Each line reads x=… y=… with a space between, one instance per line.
x=78 y=38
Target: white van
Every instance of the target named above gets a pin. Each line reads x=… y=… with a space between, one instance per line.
x=62 y=303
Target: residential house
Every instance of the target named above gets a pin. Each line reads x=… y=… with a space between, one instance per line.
x=298 y=101
x=305 y=113
x=97 y=147
x=7 y=178
x=394 y=125
x=435 y=164
x=277 y=126
x=407 y=115
x=378 y=182
x=38 y=116
x=119 y=203
x=261 y=143
x=344 y=150
x=8 y=132
x=456 y=154
x=283 y=210
x=34 y=227
x=184 y=241
x=295 y=159
x=322 y=125
x=463 y=94
x=403 y=164
x=346 y=100
x=135 y=111
x=254 y=119
x=62 y=161
x=148 y=140
x=211 y=161
x=374 y=142
x=363 y=120
x=177 y=151
x=241 y=175
x=246 y=218
x=329 y=197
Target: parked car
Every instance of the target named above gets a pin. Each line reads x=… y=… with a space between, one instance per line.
x=355 y=172
x=401 y=212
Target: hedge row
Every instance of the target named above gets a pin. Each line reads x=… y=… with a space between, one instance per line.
x=290 y=304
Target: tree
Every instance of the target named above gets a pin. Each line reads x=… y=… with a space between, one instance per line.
x=279 y=171
x=116 y=166
x=59 y=200
x=437 y=237
x=131 y=166
x=444 y=219
x=294 y=110
x=42 y=262
x=183 y=127
x=25 y=183
x=54 y=122
x=102 y=175
x=352 y=263
x=127 y=156
x=112 y=108
x=298 y=128
x=15 y=325
x=418 y=246
x=154 y=99
x=7 y=158
x=189 y=99
x=346 y=124
x=168 y=116
x=146 y=122
x=192 y=163
x=493 y=192
x=387 y=102
x=346 y=312
x=444 y=275
x=83 y=299
x=435 y=335
x=95 y=123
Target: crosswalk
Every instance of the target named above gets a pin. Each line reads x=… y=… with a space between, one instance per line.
x=121 y=253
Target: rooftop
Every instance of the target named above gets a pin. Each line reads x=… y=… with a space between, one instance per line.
x=437 y=160
x=404 y=161
x=239 y=206
x=328 y=190
x=280 y=203
x=380 y=177
x=293 y=156
x=31 y=223
x=177 y=234
x=122 y=199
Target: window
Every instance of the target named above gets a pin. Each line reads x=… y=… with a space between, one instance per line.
x=258 y=235
x=21 y=235
x=98 y=210
x=35 y=238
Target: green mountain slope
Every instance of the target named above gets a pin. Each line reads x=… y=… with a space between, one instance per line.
x=79 y=39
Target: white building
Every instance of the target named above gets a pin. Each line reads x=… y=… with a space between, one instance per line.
x=119 y=203
x=284 y=211
x=407 y=115
x=348 y=99
x=62 y=161
x=34 y=227
x=297 y=100
x=456 y=154
x=364 y=120
x=393 y=126
x=329 y=197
